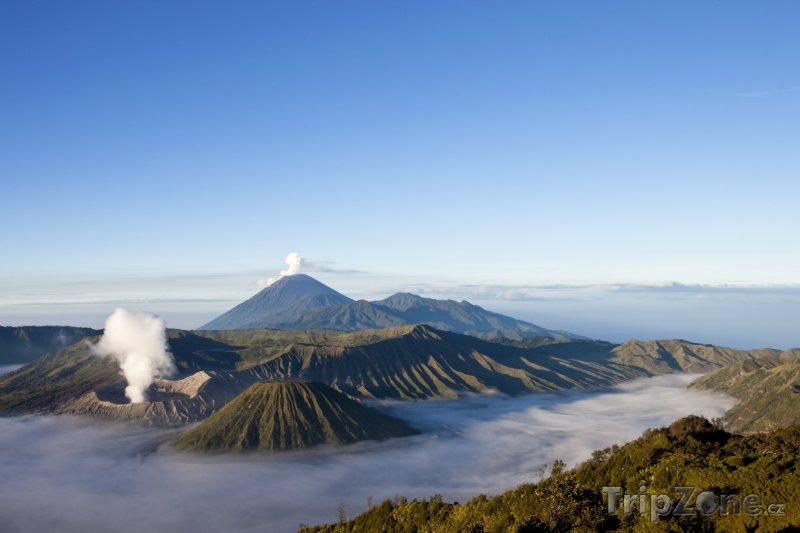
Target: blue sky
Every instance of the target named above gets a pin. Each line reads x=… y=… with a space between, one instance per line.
x=169 y=155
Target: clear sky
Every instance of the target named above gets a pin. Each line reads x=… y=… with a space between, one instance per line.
x=169 y=154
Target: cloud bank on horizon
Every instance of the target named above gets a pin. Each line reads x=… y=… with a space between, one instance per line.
x=557 y=291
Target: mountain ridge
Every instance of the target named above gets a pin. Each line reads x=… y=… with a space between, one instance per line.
x=301 y=302
x=23 y=344
x=412 y=362
x=767 y=391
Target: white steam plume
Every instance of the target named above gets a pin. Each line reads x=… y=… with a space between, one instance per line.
x=138 y=341
x=293 y=265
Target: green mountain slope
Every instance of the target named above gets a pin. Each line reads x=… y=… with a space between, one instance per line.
x=20 y=345
x=767 y=390
x=682 y=356
x=690 y=452
x=408 y=362
x=289 y=415
x=70 y=374
x=57 y=379
x=54 y=379
x=422 y=362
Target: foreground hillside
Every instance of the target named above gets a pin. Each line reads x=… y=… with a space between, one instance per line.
x=289 y=415
x=691 y=452
x=768 y=391
x=409 y=362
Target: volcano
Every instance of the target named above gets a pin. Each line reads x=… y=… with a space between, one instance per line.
x=283 y=302
x=290 y=415
x=301 y=302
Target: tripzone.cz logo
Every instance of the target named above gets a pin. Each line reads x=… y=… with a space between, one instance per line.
x=683 y=502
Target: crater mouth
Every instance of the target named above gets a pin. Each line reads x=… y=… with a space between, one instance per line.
x=157 y=392
x=161 y=391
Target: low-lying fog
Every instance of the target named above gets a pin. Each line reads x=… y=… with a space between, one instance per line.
x=73 y=475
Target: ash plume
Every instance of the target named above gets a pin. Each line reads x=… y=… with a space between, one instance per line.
x=138 y=341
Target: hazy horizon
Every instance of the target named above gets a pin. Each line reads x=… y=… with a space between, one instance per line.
x=613 y=312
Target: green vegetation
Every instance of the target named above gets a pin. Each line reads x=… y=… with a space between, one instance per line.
x=676 y=355
x=54 y=379
x=768 y=391
x=247 y=348
x=287 y=415
x=421 y=362
x=690 y=452
x=406 y=362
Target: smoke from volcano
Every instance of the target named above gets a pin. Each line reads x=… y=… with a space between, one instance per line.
x=138 y=341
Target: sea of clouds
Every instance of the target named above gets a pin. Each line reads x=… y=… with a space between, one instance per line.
x=75 y=475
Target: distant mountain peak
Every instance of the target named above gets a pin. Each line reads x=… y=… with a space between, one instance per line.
x=423 y=331
x=284 y=301
x=301 y=302
x=288 y=278
x=406 y=296
x=297 y=280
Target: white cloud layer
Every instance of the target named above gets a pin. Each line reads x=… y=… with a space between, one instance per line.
x=70 y=475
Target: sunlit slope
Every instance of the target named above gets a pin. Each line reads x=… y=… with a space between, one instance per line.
x=675 y=355
x=54 y=379
x=49 y=382
x=407 y=362
x=767 y=390
x=423 y=362
x=290 y=415
x=690 y=452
